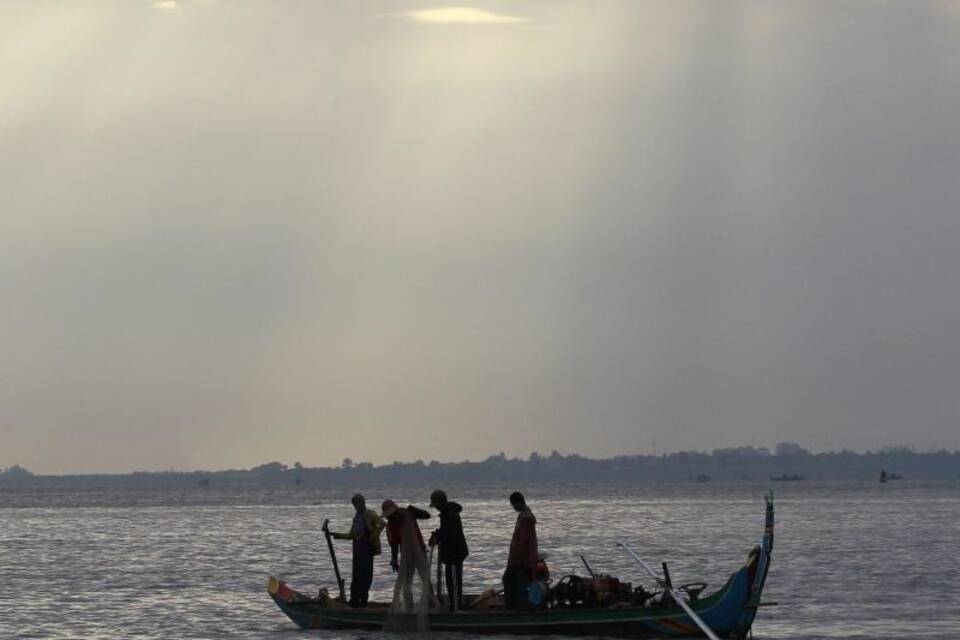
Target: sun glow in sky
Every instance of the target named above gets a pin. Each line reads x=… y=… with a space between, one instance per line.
x=462 y=15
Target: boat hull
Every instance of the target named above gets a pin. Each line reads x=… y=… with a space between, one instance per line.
x=721 y=613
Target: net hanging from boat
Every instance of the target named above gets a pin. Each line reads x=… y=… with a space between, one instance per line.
x=410 y=608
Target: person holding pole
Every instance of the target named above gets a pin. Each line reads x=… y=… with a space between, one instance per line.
x=365 y=534
x=453 y=546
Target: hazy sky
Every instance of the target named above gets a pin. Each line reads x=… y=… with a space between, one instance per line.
x=234 y=232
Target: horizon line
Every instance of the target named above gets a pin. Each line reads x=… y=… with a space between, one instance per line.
x=760 y=452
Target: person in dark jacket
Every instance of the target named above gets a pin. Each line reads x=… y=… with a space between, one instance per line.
x=523 y=557
x=453 y=546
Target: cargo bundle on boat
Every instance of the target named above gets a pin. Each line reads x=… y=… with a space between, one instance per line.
x=574 y=605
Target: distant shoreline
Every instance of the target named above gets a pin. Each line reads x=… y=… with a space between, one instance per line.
x=789 y=463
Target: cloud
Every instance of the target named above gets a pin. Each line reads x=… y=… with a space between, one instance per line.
x=165 y=5
x=653 y=220
x=461 y=15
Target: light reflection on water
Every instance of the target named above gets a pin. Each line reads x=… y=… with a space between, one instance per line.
x=851 y=560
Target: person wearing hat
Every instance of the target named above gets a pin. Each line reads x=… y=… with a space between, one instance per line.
x=407 y=553
x=365 y=533
x=453 y=546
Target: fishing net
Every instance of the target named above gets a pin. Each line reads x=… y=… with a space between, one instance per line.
x=410 y=610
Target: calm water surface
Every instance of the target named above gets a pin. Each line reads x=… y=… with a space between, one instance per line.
x=850 y=561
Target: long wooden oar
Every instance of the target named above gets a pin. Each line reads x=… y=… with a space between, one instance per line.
x=483 y=599
x=333 y=556
x=676 y=596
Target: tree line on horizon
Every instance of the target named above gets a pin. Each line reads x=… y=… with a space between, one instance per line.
x=786 y=462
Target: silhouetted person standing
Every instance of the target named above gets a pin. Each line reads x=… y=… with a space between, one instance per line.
x=453 y=546
x=365 y=533
x=523 y=555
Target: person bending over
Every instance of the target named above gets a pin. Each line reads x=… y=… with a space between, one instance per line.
x=407 y=555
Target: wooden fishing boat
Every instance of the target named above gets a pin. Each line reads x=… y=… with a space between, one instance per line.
x=788 y=477
x=729 y=612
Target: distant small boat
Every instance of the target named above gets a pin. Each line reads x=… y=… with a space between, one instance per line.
x=884 y=476
x=729 y=612
x=788 y=477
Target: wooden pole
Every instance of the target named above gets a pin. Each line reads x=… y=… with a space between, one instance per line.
x=676 y=596
x=333 y=557
x=439 y=578
x=587 y=565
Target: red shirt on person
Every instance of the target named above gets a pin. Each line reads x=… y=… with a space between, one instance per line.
x=523 y=546
x=395 y=525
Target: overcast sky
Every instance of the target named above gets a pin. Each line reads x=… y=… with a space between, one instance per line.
x=234 y=232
